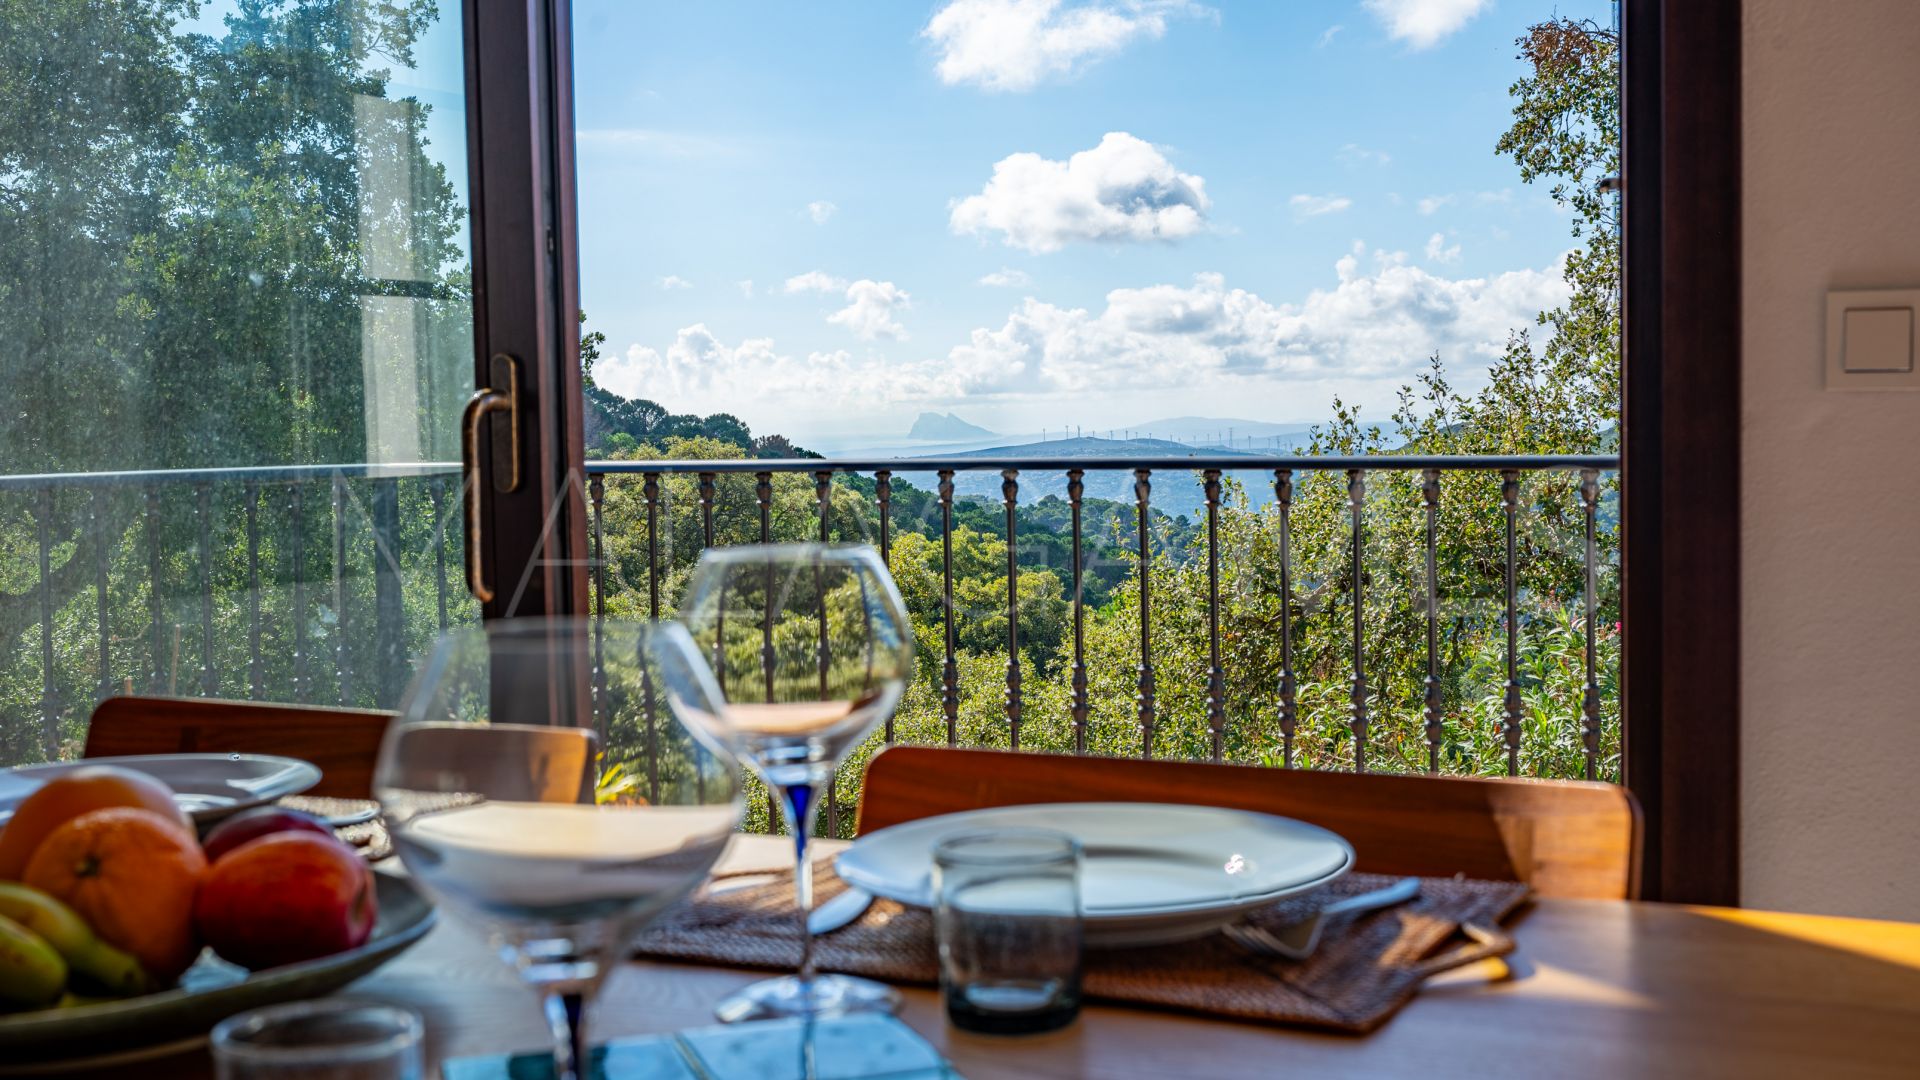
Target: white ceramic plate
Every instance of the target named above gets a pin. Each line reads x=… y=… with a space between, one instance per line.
x=207 y=786
x=1150 y=873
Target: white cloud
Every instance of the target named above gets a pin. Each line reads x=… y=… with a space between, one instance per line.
x=700 y=373
x=1355 y=154
x=870 y=310
x=1438 y=251
x=1307 y=206
x=675 y=281
x=1013 y=45
x=1007 y=279
x=1326 y=36
x=1379 y=319
x=815 y=281
x=1431 y=203
x=1423 y=24
x=746 y=287
x=821 y=210
x=1378 y=324
x=1124 y=189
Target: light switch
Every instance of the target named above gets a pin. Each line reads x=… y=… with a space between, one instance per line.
x=1878 y=339
x=1870 y=339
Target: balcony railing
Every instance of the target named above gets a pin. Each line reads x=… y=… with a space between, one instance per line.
x=318 y=583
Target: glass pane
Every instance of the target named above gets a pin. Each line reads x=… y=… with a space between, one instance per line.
x=235 y=294
x=1025 y=238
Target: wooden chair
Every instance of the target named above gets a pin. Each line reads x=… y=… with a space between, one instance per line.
x=1565 y=838
x=343 y=742
x=520 y=764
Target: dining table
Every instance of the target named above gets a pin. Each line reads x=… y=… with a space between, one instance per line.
x=1593 y=989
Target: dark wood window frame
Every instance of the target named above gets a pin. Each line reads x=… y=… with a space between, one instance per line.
x=533 y=543
x=1681 y=379
x=1680 y=420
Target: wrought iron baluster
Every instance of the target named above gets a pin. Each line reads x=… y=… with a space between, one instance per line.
x=597 y=495
x=1590 y=701
x=203 y=521
x=1430 y=498
x=1216 y=679
x=647 y=710
x=720 y=613
x=49 y=682
x=341 y=663
x=883 y=493
x=823 y=495
x=157 y=637
x=1510 y=502
x=1076 y=489
x=763 y=494
x=950 y=672
x=1356 y=501
x=1289 y=715
x=706 y=508
x=297 y=506
x=650 y=491
x=256 y=663
x=96 y=522
x=1010 y=491
x=1144 y=694
x=437 y=491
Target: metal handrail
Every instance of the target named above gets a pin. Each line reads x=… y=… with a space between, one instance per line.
x=331 y=509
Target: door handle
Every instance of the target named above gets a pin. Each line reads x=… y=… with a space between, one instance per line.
x=503 y=397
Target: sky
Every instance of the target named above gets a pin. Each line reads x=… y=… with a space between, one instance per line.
x=827 y=218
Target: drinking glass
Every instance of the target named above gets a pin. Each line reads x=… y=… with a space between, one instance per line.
x=334 y=1039
x=535 y=784
x=795 y=652
x=1007 y=921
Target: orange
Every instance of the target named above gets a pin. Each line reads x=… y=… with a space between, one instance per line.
x=131 y=874
x=65 y=797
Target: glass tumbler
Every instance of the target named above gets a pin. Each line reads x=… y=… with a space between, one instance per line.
x=1007 y=919
x=319 y=1040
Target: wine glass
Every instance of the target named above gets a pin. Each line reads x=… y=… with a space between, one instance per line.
x=535 y=784
x=804 y=648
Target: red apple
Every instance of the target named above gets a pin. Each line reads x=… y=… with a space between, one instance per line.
x=255 y=823
x=284 y=898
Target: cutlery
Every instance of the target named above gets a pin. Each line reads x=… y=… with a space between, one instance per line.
x=353 y=817
x=1297 y=942
x=839 y=911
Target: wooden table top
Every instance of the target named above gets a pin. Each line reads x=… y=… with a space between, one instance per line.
x=1595 y=989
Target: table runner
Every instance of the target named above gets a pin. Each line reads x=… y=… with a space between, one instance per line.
x=1363 y=972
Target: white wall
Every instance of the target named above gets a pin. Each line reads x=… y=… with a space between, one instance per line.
x=1830 y=491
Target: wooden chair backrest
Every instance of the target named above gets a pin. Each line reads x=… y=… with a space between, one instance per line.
x=519 y=764
x=344 y=743
x=1565 y=838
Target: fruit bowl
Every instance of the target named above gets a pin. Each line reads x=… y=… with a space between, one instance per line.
x=32 y=1043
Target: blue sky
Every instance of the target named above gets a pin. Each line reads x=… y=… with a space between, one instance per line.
x=1272 y=204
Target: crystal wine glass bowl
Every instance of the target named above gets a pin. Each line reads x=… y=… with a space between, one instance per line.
x=793 y=653
x=536 y=785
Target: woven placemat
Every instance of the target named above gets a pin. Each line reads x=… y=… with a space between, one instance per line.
x=1363 y=971
x=369 y=836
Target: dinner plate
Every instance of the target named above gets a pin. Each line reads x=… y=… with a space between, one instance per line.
x=207 y=786
x=1150 y=873
x=114 y=1033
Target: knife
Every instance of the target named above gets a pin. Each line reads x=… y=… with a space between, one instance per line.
x=839 y=911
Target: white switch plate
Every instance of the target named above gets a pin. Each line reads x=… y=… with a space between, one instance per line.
x=1871 y=339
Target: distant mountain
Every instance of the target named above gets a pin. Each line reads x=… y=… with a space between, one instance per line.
x=1175 y=492
x=1224 y=431
x=949 y=427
